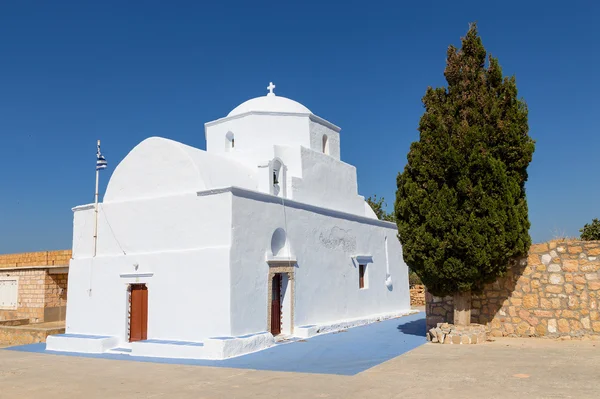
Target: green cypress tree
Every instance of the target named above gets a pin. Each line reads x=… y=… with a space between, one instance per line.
x=460 y=206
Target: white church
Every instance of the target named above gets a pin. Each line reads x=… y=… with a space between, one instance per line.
x=213 y=254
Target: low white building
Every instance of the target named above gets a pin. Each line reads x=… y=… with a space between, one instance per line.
x=209 y=254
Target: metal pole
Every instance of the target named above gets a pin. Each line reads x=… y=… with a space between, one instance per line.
x=96 y=209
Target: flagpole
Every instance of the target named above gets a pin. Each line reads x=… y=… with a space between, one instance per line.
x=96 y=209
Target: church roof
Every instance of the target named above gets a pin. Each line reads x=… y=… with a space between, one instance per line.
x=159 y=166
x=270 y=103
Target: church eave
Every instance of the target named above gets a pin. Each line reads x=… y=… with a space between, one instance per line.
x=259 y=196
x=312 y=117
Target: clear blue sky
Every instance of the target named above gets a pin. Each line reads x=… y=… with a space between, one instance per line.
x=72 y=72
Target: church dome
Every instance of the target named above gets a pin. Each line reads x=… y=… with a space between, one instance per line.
x=270 y=103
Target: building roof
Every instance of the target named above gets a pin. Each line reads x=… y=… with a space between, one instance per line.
x=159 y=166
x=270 y=103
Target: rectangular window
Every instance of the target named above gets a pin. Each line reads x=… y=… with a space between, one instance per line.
x=362 y=271
x=8 y=293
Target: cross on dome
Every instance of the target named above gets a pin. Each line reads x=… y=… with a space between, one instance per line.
x=270 y=87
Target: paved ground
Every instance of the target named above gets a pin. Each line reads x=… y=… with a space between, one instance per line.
x=344 y=353
x=506 y=368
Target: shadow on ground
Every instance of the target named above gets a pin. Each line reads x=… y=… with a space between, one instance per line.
x=415 y=327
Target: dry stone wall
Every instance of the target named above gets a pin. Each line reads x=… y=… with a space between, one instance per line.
x=554 y=292
x=417 y=295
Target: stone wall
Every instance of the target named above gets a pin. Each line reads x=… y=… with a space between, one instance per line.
x=42 y=285
x=43 y=258
x=555 y=292
x=417 y=295
x=28 y=334
x=31 y=295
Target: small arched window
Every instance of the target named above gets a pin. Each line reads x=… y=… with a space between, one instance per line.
x=229 y=141
x=277 y=178
x=325 y=144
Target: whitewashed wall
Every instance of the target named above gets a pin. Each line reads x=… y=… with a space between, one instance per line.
x=323 y=242
x=181 y=246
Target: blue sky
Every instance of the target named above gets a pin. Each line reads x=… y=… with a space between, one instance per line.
x=72 y=72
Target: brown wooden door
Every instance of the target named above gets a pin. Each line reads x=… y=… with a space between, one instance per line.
x=138 y=318
x=276 y=305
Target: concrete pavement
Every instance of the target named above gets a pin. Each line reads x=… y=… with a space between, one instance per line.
x=516 y=368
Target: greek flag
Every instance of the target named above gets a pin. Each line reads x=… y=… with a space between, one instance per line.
x=100 y=161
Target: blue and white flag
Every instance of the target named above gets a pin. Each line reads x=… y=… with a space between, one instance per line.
x=100 y=161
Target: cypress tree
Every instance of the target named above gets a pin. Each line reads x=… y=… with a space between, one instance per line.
x=460 y=206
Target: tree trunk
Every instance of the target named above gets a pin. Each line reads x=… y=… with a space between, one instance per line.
x=462 y=308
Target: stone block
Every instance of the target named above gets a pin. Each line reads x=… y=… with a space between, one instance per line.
x=538 y=248
x=570 y=265
x=579 y=280
x=456 y=339
x=546 y=259
x=569 y=288
x=573 y=302
x=543 y=313
x=554 y=289
x=563 y=326
x=569 y=314
x=556 y=279
x=556 y=303
x=509 y=328
x=533 y=260
x=594 y=285
x=522 y=328
x=585 y=322
x=530 y=301
x=540 y=330
x=545 y=303
x=575 y=250
x=465 y=339
x=439 y=311
x=552 y=326
x=594 y=252
x=576 y=325
x=588 y=267
x=596 y=326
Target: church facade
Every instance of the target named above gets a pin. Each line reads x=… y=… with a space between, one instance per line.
x=216 y=253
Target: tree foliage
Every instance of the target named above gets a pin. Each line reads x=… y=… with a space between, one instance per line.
x=378 y=205
x=591 y=232
x=460 y=205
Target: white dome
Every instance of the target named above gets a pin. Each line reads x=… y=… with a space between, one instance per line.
x=270 y=103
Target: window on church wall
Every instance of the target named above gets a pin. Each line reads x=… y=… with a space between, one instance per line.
x=278 y=178
x=229 y=141
x=362 y=276
x=325 y=147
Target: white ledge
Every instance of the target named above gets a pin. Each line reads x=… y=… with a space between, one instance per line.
x=363 y=259
x=291 y=260
x=130 y=275
x=312 y=117
x=258 y=196
x=83 y=207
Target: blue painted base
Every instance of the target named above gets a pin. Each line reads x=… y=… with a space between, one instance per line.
x=344 y=353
